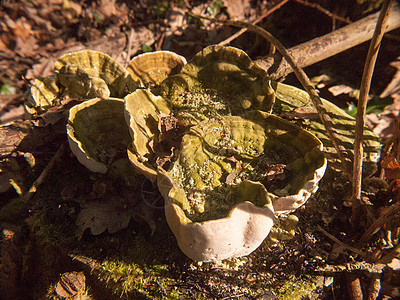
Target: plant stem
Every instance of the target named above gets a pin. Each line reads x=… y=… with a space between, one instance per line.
x=362 y=105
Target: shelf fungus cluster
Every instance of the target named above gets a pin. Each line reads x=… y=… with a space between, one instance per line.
x=202 y=130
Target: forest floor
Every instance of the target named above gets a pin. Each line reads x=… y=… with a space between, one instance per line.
x=45 y=252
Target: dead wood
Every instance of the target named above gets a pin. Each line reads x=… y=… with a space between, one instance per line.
x=333 y=43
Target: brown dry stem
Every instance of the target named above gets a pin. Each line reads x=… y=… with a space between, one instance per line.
x=362 y=105
x=390 y=213
x=45 y=173
x=339 y=242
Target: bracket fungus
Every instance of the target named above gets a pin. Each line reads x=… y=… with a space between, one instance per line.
x=258 y=161
x=80 y=75
x=238 y=233
x=97 y=132
x=142 y=109
x=222 y=162
x=155 y=67
x=218 y=81
x=235 y=164
x=92 y=74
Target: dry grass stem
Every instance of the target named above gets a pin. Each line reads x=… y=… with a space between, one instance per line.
x=362 y=105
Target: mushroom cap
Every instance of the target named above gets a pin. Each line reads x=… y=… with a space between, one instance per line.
x=142 y=109
x=92 y=62
x=97 y=132
x=238 y=234
x=154 y=67
x=43 y=92
x=218 y=80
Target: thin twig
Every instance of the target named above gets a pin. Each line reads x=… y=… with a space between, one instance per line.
x=362 y=105
x=389 y=213
x=243 y=30
x=340 y=243
x=129 y=46
x=46 y=171
x=302 y=77
x=320 y=48
x=324 y=11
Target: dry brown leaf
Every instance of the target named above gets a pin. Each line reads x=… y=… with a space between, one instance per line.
x=238 y=9
x=13 y=114
x=26 y=47
x=238 y=169
x=3 y=46
x=337 y=90
x=71 y=9
x=70 y=285
x=391 y=167
x=111 y=215
x=176 y=20
x=107 y=8
x=22 y=28
x=301 y=113
x=167 y=123
x=41 y=69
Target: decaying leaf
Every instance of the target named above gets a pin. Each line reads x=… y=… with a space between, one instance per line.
x=301 y=113
x=237 y=9
x=392 y=167
x=111 y=215
x=72 y=285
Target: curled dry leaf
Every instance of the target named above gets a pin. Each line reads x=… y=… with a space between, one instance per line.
x=112 y=215
x=392 y=168
x=72 y=285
